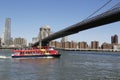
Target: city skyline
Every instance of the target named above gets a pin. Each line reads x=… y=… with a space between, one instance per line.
x=29 y=17
x=44 y=31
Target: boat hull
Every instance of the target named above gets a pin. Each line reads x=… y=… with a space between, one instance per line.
x=38 y=56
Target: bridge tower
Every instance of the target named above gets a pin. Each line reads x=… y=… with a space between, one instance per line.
x=43 y=33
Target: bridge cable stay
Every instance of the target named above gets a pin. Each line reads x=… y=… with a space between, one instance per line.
x=98 y=9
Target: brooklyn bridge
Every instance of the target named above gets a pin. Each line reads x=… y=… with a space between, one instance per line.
x=110 y=16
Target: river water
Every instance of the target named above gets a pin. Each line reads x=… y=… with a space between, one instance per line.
x=72 y=65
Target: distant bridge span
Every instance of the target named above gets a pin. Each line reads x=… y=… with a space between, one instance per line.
x=102 y=19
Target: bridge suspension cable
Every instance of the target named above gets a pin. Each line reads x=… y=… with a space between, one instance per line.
x=116 y=6
x=98 y=9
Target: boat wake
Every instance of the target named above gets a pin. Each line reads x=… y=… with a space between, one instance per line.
x=4 y=57
x=48 y=57
x=35 y=58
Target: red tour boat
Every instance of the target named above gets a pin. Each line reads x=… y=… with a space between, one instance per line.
x=36 y=52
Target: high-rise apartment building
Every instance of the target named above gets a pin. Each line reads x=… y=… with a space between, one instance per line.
x=20 y=42
x=106 y=46
x=6 y=37
x=114 y=39
x=56 y=44
x=66 y=44
x=74 y=44
x=69 y=44
x=82 y=45
x=95 y=45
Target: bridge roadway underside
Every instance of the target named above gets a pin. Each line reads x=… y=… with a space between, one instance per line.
x=102 y=19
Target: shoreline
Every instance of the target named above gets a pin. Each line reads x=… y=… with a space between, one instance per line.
x=97 y=50
x=72 y=49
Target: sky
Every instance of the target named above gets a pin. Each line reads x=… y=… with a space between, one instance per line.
x=27 y=16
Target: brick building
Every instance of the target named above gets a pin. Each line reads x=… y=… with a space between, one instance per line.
x=94 y=45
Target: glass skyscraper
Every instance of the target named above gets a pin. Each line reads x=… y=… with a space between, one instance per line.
x=6 y=38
